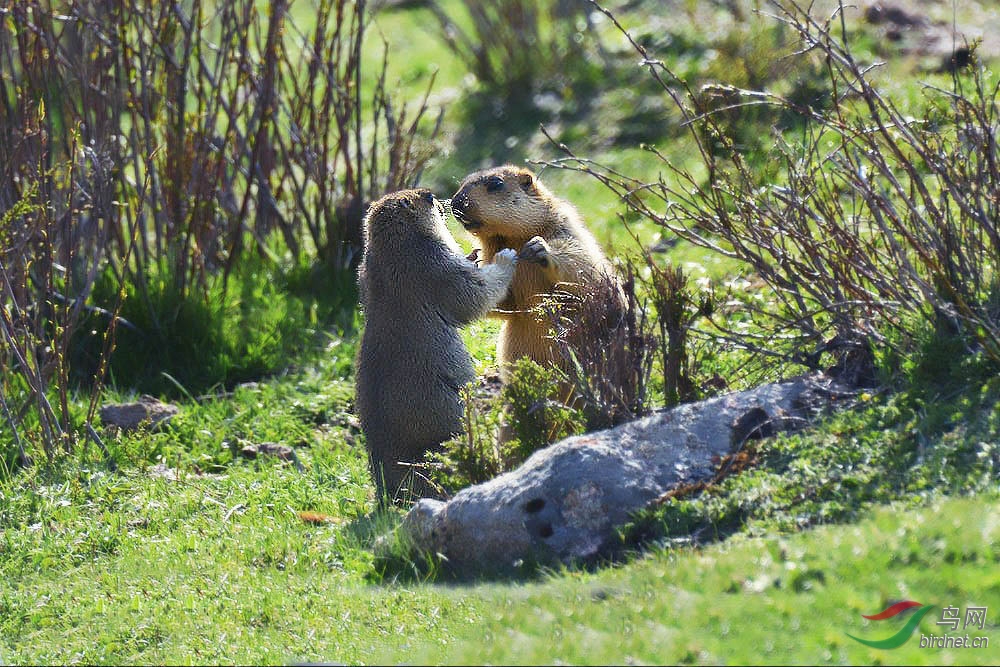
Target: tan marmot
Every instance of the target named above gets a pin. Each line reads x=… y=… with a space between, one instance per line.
x=416 y=289
x=508 y=207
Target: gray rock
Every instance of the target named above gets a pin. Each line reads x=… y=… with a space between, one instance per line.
x=566 y=501
x=147 y=411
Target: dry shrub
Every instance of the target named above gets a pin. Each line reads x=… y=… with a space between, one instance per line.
x=677 y=311
x=602 y=334
x=145 y=142
x=877 y=225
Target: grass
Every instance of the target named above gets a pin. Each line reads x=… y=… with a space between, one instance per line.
x=415 y=51
x=178 y=343
x=775 y=600
x=192 y=553
x=209 y=569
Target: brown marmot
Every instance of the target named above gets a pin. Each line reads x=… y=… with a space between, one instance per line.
x=508 y=207
x=416 y=289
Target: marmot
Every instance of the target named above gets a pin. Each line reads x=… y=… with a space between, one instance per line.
x=509 y=207
x=416 y=289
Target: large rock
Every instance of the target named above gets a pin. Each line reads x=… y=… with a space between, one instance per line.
x=146 y=412
x=565 y=502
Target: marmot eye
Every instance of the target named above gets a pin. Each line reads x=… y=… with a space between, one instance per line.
x=428 y=197
x=494 y=183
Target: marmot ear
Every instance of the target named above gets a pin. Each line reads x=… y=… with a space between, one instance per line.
x=526 y=180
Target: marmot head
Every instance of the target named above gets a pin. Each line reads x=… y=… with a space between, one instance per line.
x=505 y=201
x=399 y=214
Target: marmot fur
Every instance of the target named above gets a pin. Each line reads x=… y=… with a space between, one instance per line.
x=416 y=289
x=508 y=207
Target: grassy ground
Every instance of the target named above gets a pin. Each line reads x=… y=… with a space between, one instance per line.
x=207 y=569
x=192 y=553
x=776 y=600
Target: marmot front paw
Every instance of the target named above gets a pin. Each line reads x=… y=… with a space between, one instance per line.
x=505 y=258
x=535 y=250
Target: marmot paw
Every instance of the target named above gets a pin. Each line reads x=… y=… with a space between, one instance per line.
x=535 y=250
x=505 y=258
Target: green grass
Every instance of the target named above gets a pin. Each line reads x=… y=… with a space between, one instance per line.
x=416 y=51
x=175 y=343
x=136 y=568
x=214 y=564
x=762 y=600
x=211 y=561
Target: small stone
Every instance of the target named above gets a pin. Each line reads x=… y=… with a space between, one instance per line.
x=283 y=452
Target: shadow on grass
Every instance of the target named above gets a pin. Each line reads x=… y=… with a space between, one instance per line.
x=170 y=342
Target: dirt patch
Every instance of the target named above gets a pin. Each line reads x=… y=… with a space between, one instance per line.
x=934 y=27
